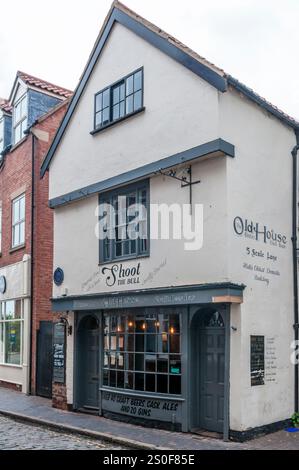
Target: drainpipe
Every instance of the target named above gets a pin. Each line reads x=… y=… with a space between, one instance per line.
x=29 y=131
x=295 y=262
x=32 y=251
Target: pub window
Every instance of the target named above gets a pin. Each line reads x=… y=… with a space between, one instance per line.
x=142 y=351
x=119 y=100
x=122 y=237
x=18 y=221
x=11 y=331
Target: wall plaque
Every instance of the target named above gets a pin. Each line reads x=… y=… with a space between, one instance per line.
x=257 y=360
x=59 y=353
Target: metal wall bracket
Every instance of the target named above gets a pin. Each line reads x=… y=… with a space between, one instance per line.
x=185 y=178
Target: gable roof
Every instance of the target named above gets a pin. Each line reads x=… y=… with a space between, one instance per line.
x=174 y=49
x=38 y=83
x=44 y=85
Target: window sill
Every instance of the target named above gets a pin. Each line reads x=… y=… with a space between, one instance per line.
x=113 y=123
x=125 y=258
x=15 y=366
x=17 y=248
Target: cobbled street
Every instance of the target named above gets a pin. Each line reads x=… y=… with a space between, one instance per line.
x=15 y=435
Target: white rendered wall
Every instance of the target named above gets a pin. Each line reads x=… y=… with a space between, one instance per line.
x=259 y=182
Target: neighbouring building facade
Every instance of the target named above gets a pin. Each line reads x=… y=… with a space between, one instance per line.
x=28 y=122
x=146 y=329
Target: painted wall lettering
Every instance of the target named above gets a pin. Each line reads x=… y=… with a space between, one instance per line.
x=120 y=275
x=256 y=231
x=148 y=408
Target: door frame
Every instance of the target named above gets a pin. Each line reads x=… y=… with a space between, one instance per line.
x=38 y=334
x=224 y=309
x=78 y=317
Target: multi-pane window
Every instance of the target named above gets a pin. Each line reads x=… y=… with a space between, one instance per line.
x=142 y=350
x=123 y=236
x=20 y=118
x=119 y=100
x=1 y=134
x=18 y=221
x=11 y=331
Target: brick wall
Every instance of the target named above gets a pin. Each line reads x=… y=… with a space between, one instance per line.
x=59 y=396
x=11 y=386
x=15 y=178
x=15 y=175
x=43 y=233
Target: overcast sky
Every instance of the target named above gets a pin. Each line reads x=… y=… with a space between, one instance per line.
x=254 y=40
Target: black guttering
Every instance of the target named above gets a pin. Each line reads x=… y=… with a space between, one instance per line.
x=212 y=77
x=218 y=145
x=180 y=295
x=32 y=256
x=295 y=265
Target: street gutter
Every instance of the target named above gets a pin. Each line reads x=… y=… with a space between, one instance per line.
x=107 y=437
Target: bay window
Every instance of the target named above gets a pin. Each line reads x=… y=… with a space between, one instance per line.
x=142 y=350
x=124 y=238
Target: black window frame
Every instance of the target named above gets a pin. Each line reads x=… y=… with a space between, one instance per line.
x=139 y=361
x=109 y=89
x=108 y=197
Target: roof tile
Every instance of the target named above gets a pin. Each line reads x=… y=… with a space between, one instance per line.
x=44 y=85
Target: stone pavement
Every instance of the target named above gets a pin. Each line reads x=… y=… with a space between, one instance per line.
x=39 y=410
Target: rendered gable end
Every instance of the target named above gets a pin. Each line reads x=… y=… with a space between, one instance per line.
x=181 y=112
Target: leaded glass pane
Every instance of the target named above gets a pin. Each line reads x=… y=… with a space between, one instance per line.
x=138 y=355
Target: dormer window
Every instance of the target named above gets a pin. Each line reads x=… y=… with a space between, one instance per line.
x=20 y=118
x=1 y=133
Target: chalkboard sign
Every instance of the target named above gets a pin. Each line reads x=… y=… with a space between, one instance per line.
x=59 y=353
x=257 y=360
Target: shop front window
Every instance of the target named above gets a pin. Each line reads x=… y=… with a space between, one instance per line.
x=11 y=330
x=142 y=351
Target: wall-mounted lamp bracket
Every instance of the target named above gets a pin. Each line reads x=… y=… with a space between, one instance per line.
x=65 y=322
x=185 y=178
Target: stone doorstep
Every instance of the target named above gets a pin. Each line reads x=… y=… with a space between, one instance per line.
x=130 y=443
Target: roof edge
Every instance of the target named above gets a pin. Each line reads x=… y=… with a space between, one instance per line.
x=170 y=46
x=217 y=147
x=119 y=13
x=256 y=98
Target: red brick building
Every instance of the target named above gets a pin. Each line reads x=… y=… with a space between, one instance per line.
x=28 y=122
